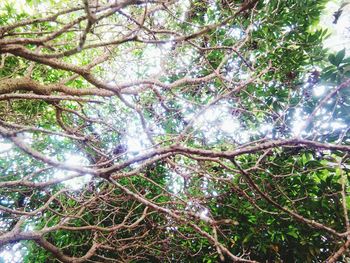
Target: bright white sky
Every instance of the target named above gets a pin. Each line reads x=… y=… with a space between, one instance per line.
x=340 y=32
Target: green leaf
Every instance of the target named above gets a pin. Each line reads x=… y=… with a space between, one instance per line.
x=347 y=60
x=331 y=59
x=339 y=57
x=247 y=238
x=329 y=74
x=348 y=202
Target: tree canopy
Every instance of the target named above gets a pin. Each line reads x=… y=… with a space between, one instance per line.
x=172 y=131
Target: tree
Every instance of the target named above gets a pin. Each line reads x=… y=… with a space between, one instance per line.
x=177 y=131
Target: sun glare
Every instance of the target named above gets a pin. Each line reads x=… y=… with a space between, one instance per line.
x=5 y=147
x=77 y=183
x=319 y=90
x=12 y=254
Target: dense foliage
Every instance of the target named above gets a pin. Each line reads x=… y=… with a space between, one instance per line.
x=172 y=131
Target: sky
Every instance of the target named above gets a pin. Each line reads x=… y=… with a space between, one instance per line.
x=340 y=32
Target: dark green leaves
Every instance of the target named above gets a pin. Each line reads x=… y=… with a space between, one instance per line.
x=337 y=59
